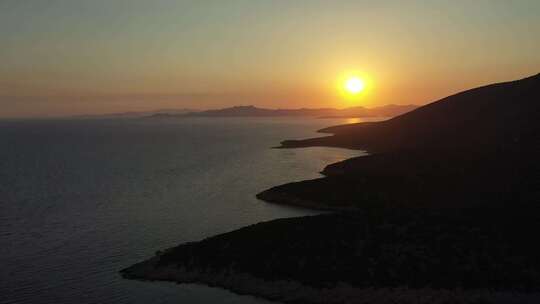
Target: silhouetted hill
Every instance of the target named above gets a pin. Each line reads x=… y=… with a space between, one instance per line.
x=478 y=147
x=252 y=111
x=491 y=117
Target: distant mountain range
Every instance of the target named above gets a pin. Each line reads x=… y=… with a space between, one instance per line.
x=252 y=111
x=132 y=114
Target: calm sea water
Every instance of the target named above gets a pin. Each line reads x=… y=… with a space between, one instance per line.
x=80 y=200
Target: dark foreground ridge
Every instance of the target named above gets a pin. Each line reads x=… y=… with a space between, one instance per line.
x=443 y=210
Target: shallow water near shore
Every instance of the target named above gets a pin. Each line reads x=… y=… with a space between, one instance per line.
x=80 y=200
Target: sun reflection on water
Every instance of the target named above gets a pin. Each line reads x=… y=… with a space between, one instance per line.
x=353 y=120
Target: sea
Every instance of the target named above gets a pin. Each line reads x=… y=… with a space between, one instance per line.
x=82 y=199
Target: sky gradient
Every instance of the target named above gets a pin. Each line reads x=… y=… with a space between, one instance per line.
x=61 y=57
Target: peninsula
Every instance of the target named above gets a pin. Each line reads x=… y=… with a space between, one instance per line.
x=442 y=210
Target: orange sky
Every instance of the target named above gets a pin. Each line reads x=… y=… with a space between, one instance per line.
x=70 y=57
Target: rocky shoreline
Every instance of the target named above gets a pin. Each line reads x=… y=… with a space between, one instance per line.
x=362 y=258
x=295 y=292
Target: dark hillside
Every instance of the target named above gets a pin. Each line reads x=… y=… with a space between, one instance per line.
x=490 y=118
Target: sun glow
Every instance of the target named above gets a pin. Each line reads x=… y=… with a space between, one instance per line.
x=354 y=85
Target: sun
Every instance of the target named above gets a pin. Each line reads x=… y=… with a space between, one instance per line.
x=354 y=85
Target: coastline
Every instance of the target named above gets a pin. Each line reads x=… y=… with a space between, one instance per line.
x=287 y=291
x=441 y=211
x=357 y=258
x=196 y=262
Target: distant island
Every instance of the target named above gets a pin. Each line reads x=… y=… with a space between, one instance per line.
x=385 y=111
x=444 y=209
x=131 y=114
x=252 y=111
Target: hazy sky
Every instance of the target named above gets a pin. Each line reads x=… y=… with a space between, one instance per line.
x=62 y=57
